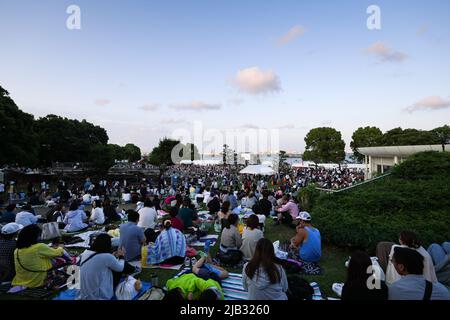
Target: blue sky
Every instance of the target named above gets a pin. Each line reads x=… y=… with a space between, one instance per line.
x=142 y=69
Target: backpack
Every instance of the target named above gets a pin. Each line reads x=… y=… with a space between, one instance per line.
x=299 y=289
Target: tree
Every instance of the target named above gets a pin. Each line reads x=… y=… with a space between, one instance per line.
x=131 y=152
x=102 y=157
x=324 y=145
x=443 y=135
x=407 y=137
x=365 y=137
x=162 y=154
x=226 y=154
x=281 y=159
x=18 y=140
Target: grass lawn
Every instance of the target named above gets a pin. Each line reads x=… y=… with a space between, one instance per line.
x=332 y=262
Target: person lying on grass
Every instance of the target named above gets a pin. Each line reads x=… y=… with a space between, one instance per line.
x=191 y=287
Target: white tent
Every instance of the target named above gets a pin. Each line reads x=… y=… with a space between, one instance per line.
x=258 y=169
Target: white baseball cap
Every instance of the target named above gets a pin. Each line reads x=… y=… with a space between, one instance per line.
x=11 y=228
x=305 y=216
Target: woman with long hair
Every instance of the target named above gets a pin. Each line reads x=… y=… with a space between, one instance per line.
x=357 y=285
x=262 y=277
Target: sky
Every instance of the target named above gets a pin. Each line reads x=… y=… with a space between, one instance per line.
x=148 y=69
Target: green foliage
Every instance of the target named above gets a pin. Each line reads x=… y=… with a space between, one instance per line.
x=400 y=137
x=308 y=196
x=324 y=145
x=415 y=197
x=161 y=155
x=102 y=157
x=18 y=139
x=365 y=137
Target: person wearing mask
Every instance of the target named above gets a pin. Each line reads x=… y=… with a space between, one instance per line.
x=97 y=214
x=148 y=218
x=356 y=287
x=250 y=237
x=412 y=285
x=7 y=246
x=75 y=218
x=132 y=237
x=307 y=241
x=262 y=277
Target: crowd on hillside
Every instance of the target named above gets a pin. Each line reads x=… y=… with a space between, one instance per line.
x=173 y=212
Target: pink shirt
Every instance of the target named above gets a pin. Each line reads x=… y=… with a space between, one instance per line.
x=290 y=207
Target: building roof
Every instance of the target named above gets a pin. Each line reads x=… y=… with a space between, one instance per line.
x=400 y=151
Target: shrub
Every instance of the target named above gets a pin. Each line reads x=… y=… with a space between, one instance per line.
x=415 y=197
x=308 y=196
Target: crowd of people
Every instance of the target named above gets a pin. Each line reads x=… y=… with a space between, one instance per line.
x=169 y=213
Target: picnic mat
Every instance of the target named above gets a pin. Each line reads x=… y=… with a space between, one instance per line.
x=161 y=266
x=201 y=242
x=85 y=237
x=34 y=293
x=71 y=294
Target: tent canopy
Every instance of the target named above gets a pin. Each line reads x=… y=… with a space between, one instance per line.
x=258 y=169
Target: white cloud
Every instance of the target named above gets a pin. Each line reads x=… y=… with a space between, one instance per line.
x=102 y=102
x=195 y=106
x=256 y=81
x=236 y=101
x=386 y=54
x=292 y=34
x=429 y=103
x=172 y=121
x=150 y=107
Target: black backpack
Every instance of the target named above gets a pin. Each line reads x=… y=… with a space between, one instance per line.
x=299 y=289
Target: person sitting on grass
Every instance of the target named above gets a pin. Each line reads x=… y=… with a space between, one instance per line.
x=169 y=248
x=187 y=215
x=7 y=247
x=132 y=237
x=101 y=270
x=33 y=260
x=177 y=223
x=8 y=216
x=224 y=213
x=206 y=269
x=250 y=237
x=231 y=239
x=441 y=259
x=307 y=241
x=409 y=239
x=288 y=212
x=357 y=285
x=262 y=277
x=191 y=287
x=26 y=217
x=75 y=218
x=148 y=218
x=97 y=214
x=409 y=263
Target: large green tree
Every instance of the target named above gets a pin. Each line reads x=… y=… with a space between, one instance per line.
x=162 y=154
x=102 y=157
x=18 y=140
x=406 y=137
x=66 y=140
x=365 y=137
x=132 y=152
x=324 y=145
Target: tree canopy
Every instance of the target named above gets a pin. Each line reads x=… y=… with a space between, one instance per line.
x=365 y=137
x=324 y=145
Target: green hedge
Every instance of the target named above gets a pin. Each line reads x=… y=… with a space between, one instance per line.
x=415 y=197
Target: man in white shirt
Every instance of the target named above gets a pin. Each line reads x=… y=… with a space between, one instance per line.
x=148 y=218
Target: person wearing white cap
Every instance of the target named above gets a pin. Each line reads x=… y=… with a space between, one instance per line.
x=307 y=239
x=7 y=247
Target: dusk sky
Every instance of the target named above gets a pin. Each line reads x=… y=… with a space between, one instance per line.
x=142 y=69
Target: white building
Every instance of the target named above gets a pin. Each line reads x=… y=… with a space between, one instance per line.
x=379 y=160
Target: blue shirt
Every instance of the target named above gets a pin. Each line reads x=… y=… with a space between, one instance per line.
x=26 y=218
x=131 y=238
x=311 y=250
x=412 y=287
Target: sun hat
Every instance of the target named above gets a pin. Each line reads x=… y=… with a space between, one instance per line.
x=11 y=228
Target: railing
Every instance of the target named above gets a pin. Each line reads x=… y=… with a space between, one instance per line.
x=353 y=186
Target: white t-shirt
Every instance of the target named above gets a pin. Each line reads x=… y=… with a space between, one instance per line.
x=97 y=216
x=428 y=268
x=148 y=218
x=126 y=197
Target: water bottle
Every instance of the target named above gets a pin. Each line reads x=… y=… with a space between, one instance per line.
x=155 y=280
